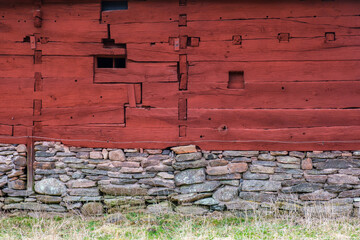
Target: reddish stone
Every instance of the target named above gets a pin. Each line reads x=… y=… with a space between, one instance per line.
x=306 y=164
x=237 y=167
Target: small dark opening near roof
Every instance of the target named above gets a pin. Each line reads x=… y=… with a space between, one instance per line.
x=119 y=63
x=111 y=62
x=103 y=62
x=114 y=5
x=236 y=80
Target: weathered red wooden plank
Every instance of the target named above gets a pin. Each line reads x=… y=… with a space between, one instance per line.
x=229 y=9
x=79 y=49
x=81 y=116
x=10 y=66
x=151 y=117
x=279 y=95
x=272 y=118
x=16 y=116
x=319 y=138
x=304 y=71
x=144 y=32
x=160 y=95
x=151 y=11
x=269 y=28
x=159 y=52
x=297 y=49
x=6 y=130
x=138 y=72
x=69 y=67
x=74 y=10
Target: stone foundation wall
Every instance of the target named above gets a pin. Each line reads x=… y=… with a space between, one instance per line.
x=181 y=179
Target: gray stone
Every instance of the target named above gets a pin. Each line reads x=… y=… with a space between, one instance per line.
x=202 y=187
x=123 y=181
x=94 y=172
x=234 y=183
x=50 y=186
x=297 y=154
x=280 y=177
x=266 y=157
x=353 y=171
x=242 y=205
x=20 y=161
x=160 y=191
x=5 y=168
x=190 y=176
x=10 y=200
x=48 y=199
x=316 y=178
x=220 y=170
x=257 y=185
x=115 y=218
x=291 y=166
x=17 y=193
x=240 y=153
x=124 y=200
x=336 y=164
x=89 y=192
x=255 y=176
x=117 y=155
x=265 y=163
x=81 y=183
x=119 y=175
x=350 y=194
x=92 y=209
x=165 y=175
x=258 y=197
x=44 y=154
x=339 y=179
x=303 y=188
x=323 y=155
x=319 y=195
x=231 y=176
x=279 y=153
x=207 y=202
x=160 y=208
x=188 y=157
x=160 y=168
x=190 y=164
x=123 y=190
x=218 y=162
x=72 y=160
x=337 y=188
x=143 y=175
x=261 y=169
x=288 y=160
x=32 y=206
x=191 y=210
x=158 y=182
x=189 y=197
x=226 y=194
x=21 y=148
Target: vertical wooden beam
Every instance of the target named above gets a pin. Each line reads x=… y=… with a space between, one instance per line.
x=37 y=57
x=30 y=157
x=182 y=20
x=182 y=131
x=182 y=109
x=37 y=107
x=38 y=82
x=183 y=42
x=131 y=95
x=183 y=72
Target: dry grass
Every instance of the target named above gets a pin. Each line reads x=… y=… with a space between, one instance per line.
x=142 y=226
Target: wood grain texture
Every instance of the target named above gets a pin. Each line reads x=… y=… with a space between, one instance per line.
x=299 y=93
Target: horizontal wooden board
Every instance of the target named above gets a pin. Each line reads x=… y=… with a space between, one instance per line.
x=75 y=10
x=230 y=9
x=10 y=66
x=6 y=129
x=16 y=116
x=223 y=119
x=81 y=115
x=270 y=28
x=297 y=49
x=138 y=72
x=151 y=11
x=151 y=117
x=279 y=95
x=144 y=32
x=67 y=67
x=203 y=74
x=152 y=52
x=163 y=95
x=57 y=48
x=301 y=139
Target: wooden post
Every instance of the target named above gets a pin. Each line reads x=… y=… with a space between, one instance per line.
x=30 y=159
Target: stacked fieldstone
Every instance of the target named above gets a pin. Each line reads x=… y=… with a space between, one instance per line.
x=12 y=173
x=189 y=181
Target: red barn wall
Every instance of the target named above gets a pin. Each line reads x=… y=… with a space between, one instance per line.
x=296 y=68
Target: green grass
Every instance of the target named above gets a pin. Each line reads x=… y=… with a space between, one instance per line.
x=142 y=226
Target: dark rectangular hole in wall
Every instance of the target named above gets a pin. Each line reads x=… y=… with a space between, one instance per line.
x=236 y=80
x=119 y=63
x=114 y=5
x=105 y=62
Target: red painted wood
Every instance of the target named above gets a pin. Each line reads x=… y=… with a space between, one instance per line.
x=301 y=93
